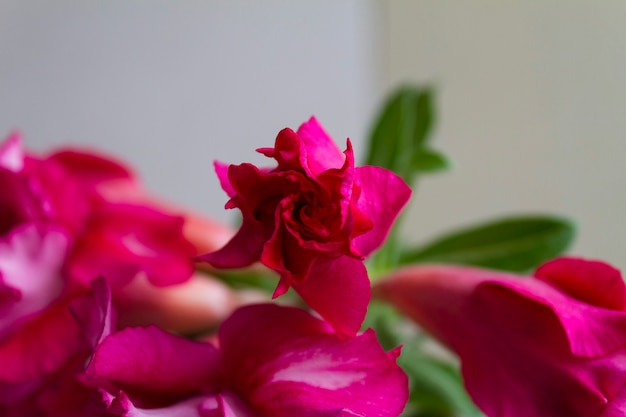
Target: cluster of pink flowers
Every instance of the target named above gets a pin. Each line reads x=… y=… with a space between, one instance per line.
x=86 y=255
x=99 y=281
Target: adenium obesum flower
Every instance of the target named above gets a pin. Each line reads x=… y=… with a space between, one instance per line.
x=313 y=219
x=553 y=344
x=48 y=329
x=117 y=239
x=272 y=361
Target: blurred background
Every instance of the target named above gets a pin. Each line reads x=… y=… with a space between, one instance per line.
x=531 y=95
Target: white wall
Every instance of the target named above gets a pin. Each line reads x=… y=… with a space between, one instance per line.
x=532 y=105
x=173 y=85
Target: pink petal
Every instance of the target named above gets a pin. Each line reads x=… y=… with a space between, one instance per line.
x=242 y=250
x=320 y=151
x=30 y=263
x=121 y=406
x=221 y=170
x=123 y=239
x=593 y=282
x=40 y=346
x=286 y=151
x=89 y=167
x=153 y=365
x=190 y=307
x=547 y=353
x=11 y=153
x=297 y=366
x=92 y=312
x=226 y=404
x=339 y=290
x=383 y=195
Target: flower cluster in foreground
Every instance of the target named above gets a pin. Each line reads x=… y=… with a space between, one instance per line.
x=108 y=307
x=86 y=255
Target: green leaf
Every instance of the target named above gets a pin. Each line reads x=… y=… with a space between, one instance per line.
x=428 y=160
x=400 y=134
x=436 y=385
x=513 y=244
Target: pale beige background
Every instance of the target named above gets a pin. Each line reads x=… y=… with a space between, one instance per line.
x=532 y=104
x=531 y=94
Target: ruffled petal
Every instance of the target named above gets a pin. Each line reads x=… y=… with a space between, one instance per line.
x=383 y=195
x=320 y=151
x=221 y=170
x=242 y=250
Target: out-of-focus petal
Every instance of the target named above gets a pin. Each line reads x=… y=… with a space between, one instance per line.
x=593 y=282
x=90 y=168
x=124 y=239
x=193 y=306
x=92 y=312
x=121 y=406
x=527 y=348
x=30 y=264
x=12 y=153
x=139 y=361
x=383 y=195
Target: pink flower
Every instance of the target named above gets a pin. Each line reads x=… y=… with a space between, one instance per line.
x=118 y=239
x=312 y=219
x=549 y=345
x=47 y=328
x=272 y=361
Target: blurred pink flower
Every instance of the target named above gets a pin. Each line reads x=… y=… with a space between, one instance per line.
x=48 y=329
x=272 y=361
x=549 y=345
x=312 y=219
x=116 y=239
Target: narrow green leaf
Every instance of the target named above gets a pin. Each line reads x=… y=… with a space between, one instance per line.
x=513 y=244
x=428 y=160
x=400 y=134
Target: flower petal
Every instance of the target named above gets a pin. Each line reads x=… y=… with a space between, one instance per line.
x=339 y=290
x=383 y=195
x=298 y=366
x=124 y=239
x=542 y=347
x=30 y=263
x=155 y=366
x=90 y=168
x=121 y=406
x=12 y=153
x=221 y=170
x=320 y=150
x=592 y=282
